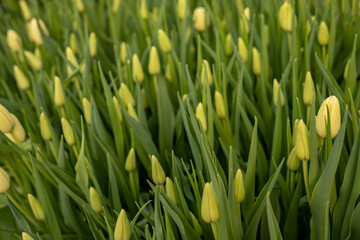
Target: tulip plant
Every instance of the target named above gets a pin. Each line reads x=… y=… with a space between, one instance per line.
x=179 y=119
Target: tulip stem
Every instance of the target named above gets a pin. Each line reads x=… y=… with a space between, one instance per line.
x=292 y=181
x=306 y=180
x=308 y=115
x=52 y=149
x=215 y=231
x=289 y=43
x=324 y=53
x=31 y=97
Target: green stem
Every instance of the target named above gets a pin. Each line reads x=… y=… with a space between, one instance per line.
x=308 y=115
x=289 y=43
x=215 y=230
x=306 y=180
x=31 y=97
x=324 y=53
x=292 y=181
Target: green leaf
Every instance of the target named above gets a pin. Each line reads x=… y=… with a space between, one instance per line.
x=274 y=229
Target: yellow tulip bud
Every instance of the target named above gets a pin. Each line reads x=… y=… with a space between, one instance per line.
x=36 y=207
x=199 y=18
x=4 y=181
x=219 y=105
x=95 y=200
x=242 y=49
x=239 y=186
x=115 y=6
x=79 y=5
x=68 y=132
x=181 y=7
x=137 y=72
x=130 y=163
x=209 y=205
x=126 y=95
x=309 y=89
x=143 y=10
x=164 y=41
x=44 y=127
x=117 y=108
x=323 y=34
x=346 y=70
x=58 y=92
x=293 y=162
x=26 y=236
x=170 y=190
x=296 y=123
x=154 y=62
x=196 y=224
x=73 y=43
x=87 y=110
x=18 y=131
x=33 y=60
x=122 y=227
x=35 y=33
x=256 y=61
x=206 y=75
x=285 y=16
x=276 y=92
x=132 y=112
x=247 y=13
x=168 y=72
x=14 y=41
x=25 y=10
x=321 y=120
x=123 y=53
x=302 y=142
x=70 y=56
x=143 y=96
x=92 y=44
x=21 y=80
x=200 y=115
x=158 y=174
x=7 y=122
x=228 y=45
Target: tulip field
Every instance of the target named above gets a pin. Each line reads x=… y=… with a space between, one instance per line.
x=179 y=119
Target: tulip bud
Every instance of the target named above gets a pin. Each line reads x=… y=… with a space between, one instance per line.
x=323 y=34
x=285 y=16
x=92 y=44
x=256 y=61
x=122 y=227
x=181 y=7
x=309 y=89
x=44 y=127
x=58 y=93
x=18 y=131
x=346 y=70
x=164 y=41
x=21 y=80
x=219 y=105
x=73 y=43
x=25 y=10
x=266 y=34
x=87 y=110
x=319 y=142
x=209 y=205
x=123 y=53
x=276 y=92
x=242 y=49
x=132 y=112
x=143 y=10
x=144 y=99
x=37 y=53
x=239 y=186
x=117 y=108
x=36 y=207
x=158 y=174
x=196 y=224
x=7 y=122
x=293 y=162
x=321 y=120
x=33 y=60
x=228 y=45
x=137 y=72
x=168 y=72
x=13 y=41
x=4 y=180
x=199 y=18
x=154 y=62
x=26 y=236
x=247 y=13
x=170 y=191
x=302 y=142
x=68 y=132
x=80 y=5
x=130 y=163
x=115 y=6
x=296 y=123
x=70 y=56
x=308 y=27
x=35 y=34
x=126 y=95
x=95 y=200
x=206 y=73
x=200 y=115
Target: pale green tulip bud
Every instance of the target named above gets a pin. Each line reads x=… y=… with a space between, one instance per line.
x=181 y=8
x=122 y=227
x=18 y=131
x=143 y=10
x=308 y=27
x=158 y=174
x=68 y=132
x=36 y=207
x=276 y=92
x=117 y=108
x=219 y=105
x=33 y=60
x=285 y=16
x=321 y=120
x=92 y=44
x=25 y=10
x=95 y=200
x=196 y=224
x=256 y=61
x=70 y=56
x=209 y=205
x=296 y=123
x=199 y=18
x=346 y=70
x=26 y=236
x=228 y=45
x=7 y=122
x=73 y=43
x=130 y=163
x=154 y=62
x=58 y=92
x=4 y=181
x=242 y=49
x=302 y=142
x=115 y=6
x=44 y=127
x=79 y=5
x=247 y=13
x=21 y=80
x=123 y=53
x=126 y=95
x=137 y=72
x=309 y=89
x=293 y=162
x=170 y=190
x=323 y=34
x=206 y=75
x=87 y=110
x=35 y=34
x=239 y=186
x=164 y=41
x=200 y=115
x=13 y=41
x=132 y=112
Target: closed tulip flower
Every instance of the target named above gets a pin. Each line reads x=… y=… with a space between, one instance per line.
x=199 y=18
x=181 y=8
x=154 y=62
x=309 y=89
x=126 y=95
x=14 y=41
x=323 y=34
x=285 y=16
x=58 y=92
x=331 y=103
x=302 y=142
x=92 y=44
x=164 y=41
x=21 y=80
x=200 y=115
x=18 y=131
x=95 y=200
x=158 y=174
x=87 y=110
x=4 y=180
x=228 y=45
x=242 y=49
x=219 y=105
x=6 y=121
x=170 y=190
x=293 y=162
x=137 y=72
x=239 y=186
x=130 y=163
x=33 y=60
x=206 y=73
x=26 y=236
x=36 y=207
x=122 y=227
x=35 y=32
x=68 y=132
x=277 y=92
x=256 y=62
x=25 y=10
x=44 y=127
x=209 y=205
